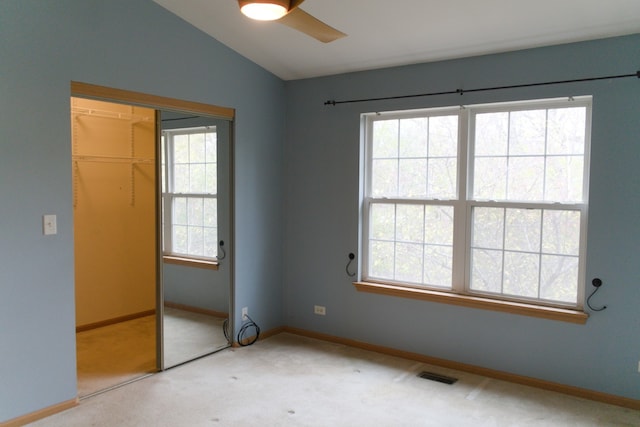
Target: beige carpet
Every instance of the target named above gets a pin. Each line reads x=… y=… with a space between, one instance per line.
x=288 y=380
x=188 y=335
x=116 y=354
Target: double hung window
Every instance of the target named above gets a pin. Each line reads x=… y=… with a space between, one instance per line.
x=485 y=200
x=189 y=192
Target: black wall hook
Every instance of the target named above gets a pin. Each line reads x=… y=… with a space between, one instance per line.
x=224 y=253
x=351 y=258
x=596 y=282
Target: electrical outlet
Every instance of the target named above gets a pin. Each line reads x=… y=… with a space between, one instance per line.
x=320 y=310
x=245 y=313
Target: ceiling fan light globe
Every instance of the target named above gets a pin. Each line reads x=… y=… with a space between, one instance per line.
x=264 y=11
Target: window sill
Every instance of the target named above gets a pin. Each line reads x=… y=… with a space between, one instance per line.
x=550 y=313
x=191 y=262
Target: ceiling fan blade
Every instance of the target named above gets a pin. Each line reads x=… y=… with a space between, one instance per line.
x=294 y=3
x=300 y=20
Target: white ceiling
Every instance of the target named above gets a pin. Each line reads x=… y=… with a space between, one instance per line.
x=384 y=33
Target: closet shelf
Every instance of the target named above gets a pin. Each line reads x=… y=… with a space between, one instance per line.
x=134 y=118
x=113 y=159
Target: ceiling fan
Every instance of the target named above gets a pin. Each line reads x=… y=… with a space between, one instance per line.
x=288 y=13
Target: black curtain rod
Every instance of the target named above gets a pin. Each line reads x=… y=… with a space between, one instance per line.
x=484 y=89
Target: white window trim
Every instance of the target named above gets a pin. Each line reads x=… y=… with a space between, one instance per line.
x=461 y=264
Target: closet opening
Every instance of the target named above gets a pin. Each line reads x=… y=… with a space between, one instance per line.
x=150 y=294
x=114 y=192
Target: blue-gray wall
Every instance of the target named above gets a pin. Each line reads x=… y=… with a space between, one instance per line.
x=322 y=190
x=133 y=45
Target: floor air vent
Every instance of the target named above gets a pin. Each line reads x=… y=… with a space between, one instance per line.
x=437 y=377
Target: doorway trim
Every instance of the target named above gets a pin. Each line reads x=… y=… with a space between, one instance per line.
x=105 y=93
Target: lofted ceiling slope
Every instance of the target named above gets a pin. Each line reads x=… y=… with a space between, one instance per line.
x=383 y=33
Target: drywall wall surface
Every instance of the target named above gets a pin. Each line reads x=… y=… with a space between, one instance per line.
x=133 y=45
x=322 y=208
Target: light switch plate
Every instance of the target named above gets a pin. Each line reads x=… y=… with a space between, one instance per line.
x=49 y=225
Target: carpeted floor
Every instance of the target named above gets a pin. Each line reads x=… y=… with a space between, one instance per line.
x=188 y=335
x=122 y=352
x=115 y=354
x=287 y=380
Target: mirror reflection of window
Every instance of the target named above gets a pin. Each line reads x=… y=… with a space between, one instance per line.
x=189 y=192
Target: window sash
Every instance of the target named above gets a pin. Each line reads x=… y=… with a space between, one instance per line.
x=544 y=208
x=437 y=244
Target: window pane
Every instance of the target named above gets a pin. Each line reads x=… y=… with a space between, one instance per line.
x=486 y=270
x=210 y=213
x=521 y=274
x=561 y=232
x=443 y=136
x=195 y=211
x=197 y=178
x=385 y=139
x=409 y=258
x=181 y=178
x=564 y=176
x=196 y=147
x=179 y=210
x=413 y=178
x=492 y=134
x=410 y=223
x=381 y=259
x=438 y=265
x=442 y=179
x=490 y=178
x=179 y=239
x=523 y=230
x=181 y=149
x=414 y=134
x=210 y=242
x=211 y=186
x=210 y=141
x=488 y=228
x=527 y=130
x=559 y=278
x=383 y=221
x=196 y=241
x=438 y=225
x=526 y=178
x=384 y=178
x=566 y=130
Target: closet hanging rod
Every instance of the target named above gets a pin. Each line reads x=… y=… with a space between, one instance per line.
x=181 y=118
x=80 y=111
x=112 y=159
x=483 y=89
